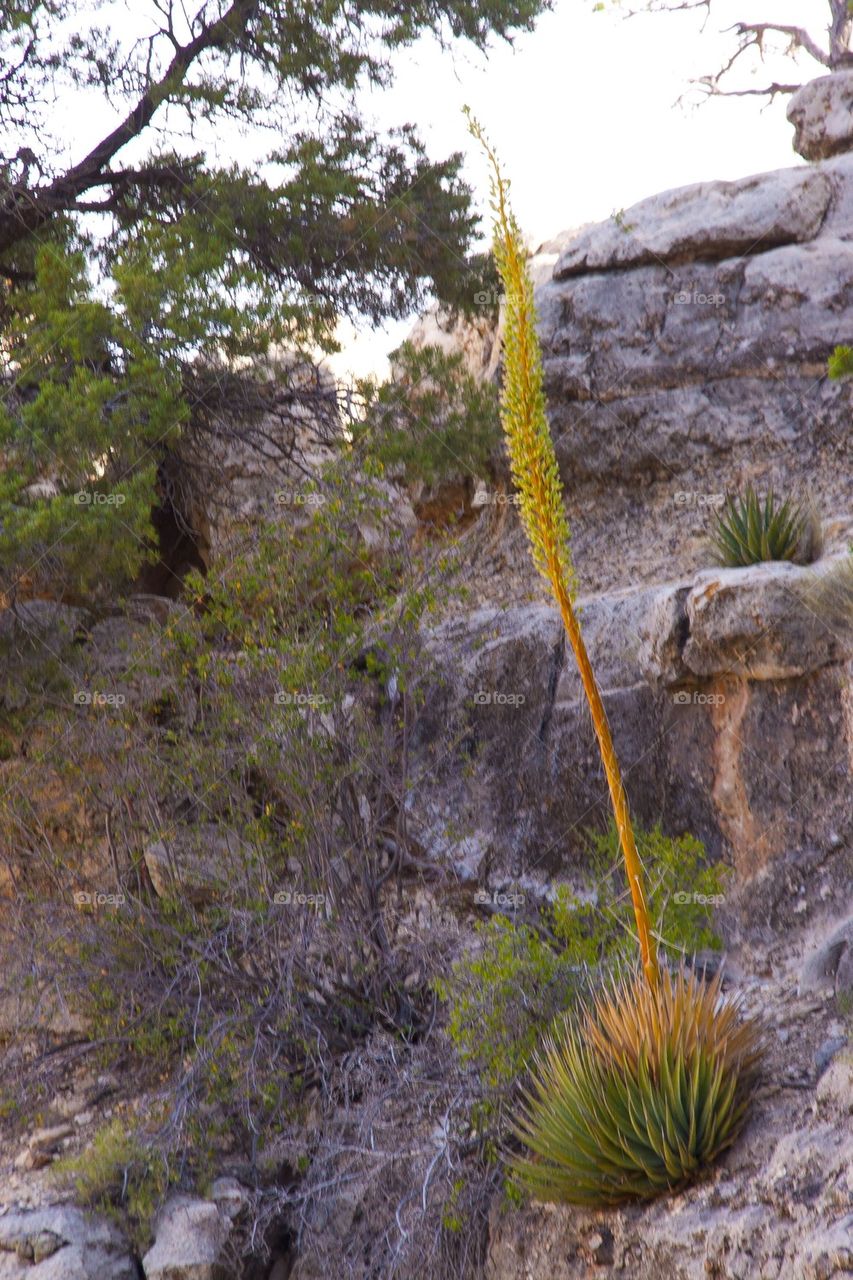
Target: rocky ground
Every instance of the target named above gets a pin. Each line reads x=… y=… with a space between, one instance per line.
x=778 y=1207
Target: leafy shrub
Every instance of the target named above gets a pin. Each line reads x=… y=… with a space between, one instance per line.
x=267 y=752
x=432 y=420
x=118 y=1175
x=840 y=363
x=503 y=997
x=639 y=1095
x=749 y=531
x=683 y=889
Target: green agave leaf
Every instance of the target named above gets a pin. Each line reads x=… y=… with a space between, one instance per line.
x=748 y=531
x=602 y=1126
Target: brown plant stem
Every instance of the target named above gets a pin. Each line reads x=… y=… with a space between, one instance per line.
x=633 y=866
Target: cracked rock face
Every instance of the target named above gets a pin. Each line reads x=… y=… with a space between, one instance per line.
x=189 y=1235
x=727 y=696
x=743 y=217
x=60 y=1242
x=822 y=115
x=758 y=622
x=693 y=330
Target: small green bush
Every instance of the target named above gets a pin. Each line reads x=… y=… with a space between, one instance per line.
x=432 y=420
x=683 y=889
x=118 y=1175
x=840 y=363
x=503 y=997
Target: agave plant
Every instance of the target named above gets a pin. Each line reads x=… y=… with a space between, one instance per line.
x=747 y=531
x=639 y=1095
x=654 y=1080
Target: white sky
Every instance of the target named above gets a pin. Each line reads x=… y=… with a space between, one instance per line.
x=582 y=112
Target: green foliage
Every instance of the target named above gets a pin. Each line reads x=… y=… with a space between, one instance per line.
x=119 y=1175
x=747 y=531
x=452 y=1218
x=683 y=889
x=504 y=996
x=433 y=420
x=183 y=265
x=88 y=402
x=840 y=363
x=639 y=1095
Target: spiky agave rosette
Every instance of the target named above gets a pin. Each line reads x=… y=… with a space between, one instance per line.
x=639 y=1094
x=748 y=531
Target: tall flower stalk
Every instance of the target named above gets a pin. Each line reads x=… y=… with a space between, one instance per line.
x=654 y=1080
x=536 y=476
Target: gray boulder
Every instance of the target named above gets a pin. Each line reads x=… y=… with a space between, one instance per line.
x=757 y=622
x=783 y=207
x=820 y=967
x=189 y=1236
x=197 y=862
x=60 y=1242
x=35 y=623
x=690 y=334
x=822 y=115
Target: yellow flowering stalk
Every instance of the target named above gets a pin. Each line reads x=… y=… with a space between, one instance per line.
x=536 y=476
x=654 y=1080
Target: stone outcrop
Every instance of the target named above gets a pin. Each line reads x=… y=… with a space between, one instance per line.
x=822 y=115
x=240 y=468
x=730 y=704
x=688 y=338
x=189 y=1236
x=194 y=864
x=744 y=217
x=685 y=343
x=60 y=1242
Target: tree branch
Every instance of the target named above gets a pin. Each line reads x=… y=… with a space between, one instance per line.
x=750 y=35
x=798 y=37
x=840 y=31
x=26 y=210
x=712 y=88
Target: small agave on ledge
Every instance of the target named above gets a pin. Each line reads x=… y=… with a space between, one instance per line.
x=653 y=1081
x=748 y=531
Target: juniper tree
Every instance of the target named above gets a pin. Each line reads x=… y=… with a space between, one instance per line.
x=134 y=274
